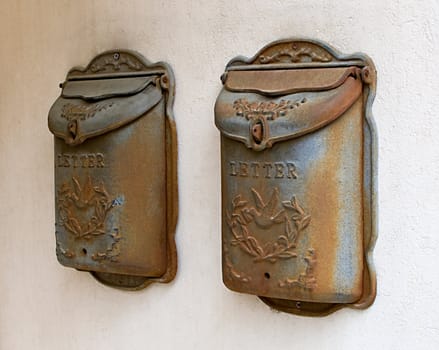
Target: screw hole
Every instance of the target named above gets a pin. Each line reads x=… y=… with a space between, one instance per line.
x=84 y=251
x=298 y=304
x=267 y=275
x=116 y=56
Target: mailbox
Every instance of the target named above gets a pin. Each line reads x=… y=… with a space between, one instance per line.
x=115 y=170
x=298 y=166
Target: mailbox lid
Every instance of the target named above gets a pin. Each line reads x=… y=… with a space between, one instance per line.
x=283 y=108
x=101 y=88
x=92 y=107
x=287 y=81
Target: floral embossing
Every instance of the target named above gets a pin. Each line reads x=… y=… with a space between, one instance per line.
x=115 y=62
x=296 y=54
x=71 y=111
x=231 y=271
x=267 y=110
x=306 y=280
x=112 y=252
x=66 y=252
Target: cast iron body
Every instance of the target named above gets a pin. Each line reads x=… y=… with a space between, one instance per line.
x=298 y=153
x=115 y=170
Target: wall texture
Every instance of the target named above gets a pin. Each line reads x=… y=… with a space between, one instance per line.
x=46 y=306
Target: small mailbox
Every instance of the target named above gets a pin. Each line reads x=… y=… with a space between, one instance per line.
x=298 y=156
x=115 y=170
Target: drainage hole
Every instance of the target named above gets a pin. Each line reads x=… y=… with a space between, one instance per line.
x=267 y=275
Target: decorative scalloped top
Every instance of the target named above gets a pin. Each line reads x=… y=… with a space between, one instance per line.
x=112 y=62
x=298 y=52
x=294 y=52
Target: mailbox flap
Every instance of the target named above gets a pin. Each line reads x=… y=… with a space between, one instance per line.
x=259 y=111
x=98 y=89
x=287 y=81
x=88 y=108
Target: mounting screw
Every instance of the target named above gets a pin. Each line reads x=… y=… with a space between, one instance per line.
x=224 y=78
x=366 y=75
x=164 y=81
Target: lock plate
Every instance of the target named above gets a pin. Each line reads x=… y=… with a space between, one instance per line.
x=298 y=159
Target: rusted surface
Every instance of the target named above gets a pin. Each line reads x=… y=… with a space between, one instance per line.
x=115 y=170
x=298 y=177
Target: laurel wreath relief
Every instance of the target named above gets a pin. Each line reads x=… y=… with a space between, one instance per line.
x=290 y=218
x=82 y=211
x=72 y=200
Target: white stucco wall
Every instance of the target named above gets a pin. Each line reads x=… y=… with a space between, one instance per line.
x=45 y=306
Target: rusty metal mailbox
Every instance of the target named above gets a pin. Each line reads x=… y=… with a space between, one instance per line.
x=115 y=170
x=298 y=177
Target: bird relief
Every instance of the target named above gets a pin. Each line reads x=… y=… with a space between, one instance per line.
x=287 y=217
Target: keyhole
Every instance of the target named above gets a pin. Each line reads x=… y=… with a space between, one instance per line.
x=257 y=132
x=72 y=128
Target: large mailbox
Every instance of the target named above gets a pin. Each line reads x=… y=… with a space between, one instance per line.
x=115 y=170
x=298 y=156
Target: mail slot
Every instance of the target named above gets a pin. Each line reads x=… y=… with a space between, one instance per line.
x=298 y=154
x=115 y=170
